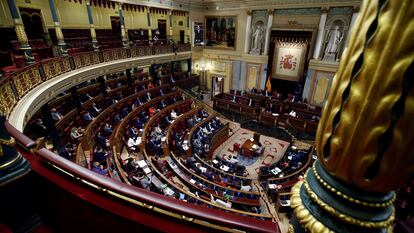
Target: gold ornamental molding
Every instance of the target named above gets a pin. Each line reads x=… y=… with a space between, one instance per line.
x=304 y=216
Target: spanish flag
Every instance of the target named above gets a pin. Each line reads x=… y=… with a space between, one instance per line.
x=269 y=85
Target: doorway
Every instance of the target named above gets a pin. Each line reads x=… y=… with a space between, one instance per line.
x=162 y=28
x=181 y=36
x=217 y=86
x=33 y=24
x=116 y=25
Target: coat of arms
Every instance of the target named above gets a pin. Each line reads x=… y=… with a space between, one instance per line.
x=288 y=62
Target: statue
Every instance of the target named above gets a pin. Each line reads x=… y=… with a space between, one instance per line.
x=333 y=45
x=257 y=39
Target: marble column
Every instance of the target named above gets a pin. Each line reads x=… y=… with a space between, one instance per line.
x=171 y=23
x=125 y=42
x=248 y=32
x=149 y=23
x=95 y=43
x=21 y=33
x=268 y=31
x=351 y=24
x=59 y=35
x=319 y=38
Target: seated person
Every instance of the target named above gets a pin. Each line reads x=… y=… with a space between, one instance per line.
x=76 y=133
x=40 y=128
x=205 y=130
x=134 y=143
x=254 y=90
x=203 y=113
x=56 y=116
x=173 y=114
x=163 y=104
x=85 y=97
x=87 y=117
x=152 y=111
x=138 y=102
x=99 y=154
x=101 y=140
x=190 y=122
x=150 y=85
x=196 y=118
x=158 y=130
x=138 y=123
x=250 y=102
x=172 y=80
x=94 y=110
x=107 y=129
x=133 y=131
x=148 y=96
x=143 y=116
x=99 y=168
x=124 y=112
x=167 y=120
x=117 y=119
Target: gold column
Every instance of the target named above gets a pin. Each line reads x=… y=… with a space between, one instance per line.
x=23 y=41
x=364 y=139
x=125 y=42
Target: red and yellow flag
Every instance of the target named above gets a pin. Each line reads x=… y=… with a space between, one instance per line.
x=268 y=84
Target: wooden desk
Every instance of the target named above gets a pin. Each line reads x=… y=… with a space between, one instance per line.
x=247 y=148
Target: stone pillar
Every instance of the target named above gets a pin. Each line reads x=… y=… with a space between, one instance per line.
x=149 y=23
x=352 y=23
x=319 y=37
x=125 y=42
x=59 y=35
x=248 y=32
x=171 y=24
x=268 y=32
x=95 y=43
x=12 y=164
x=21 y=33
x=362 y=160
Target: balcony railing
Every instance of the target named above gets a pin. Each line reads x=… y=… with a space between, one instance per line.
x=15 y=85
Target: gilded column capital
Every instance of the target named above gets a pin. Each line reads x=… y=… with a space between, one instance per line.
x=249 y=12
x=356 y=9
x=270 y=12
x=324 y=9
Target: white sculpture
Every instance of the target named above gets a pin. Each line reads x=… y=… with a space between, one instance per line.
x=334 y=40
x=257 y=40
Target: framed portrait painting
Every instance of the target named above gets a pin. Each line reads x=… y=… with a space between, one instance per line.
x=220 y=32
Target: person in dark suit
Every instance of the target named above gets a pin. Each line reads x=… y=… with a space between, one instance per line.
x=101 y=140
x=87 y=117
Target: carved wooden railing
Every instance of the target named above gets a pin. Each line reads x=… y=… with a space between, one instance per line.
x=17 y=84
